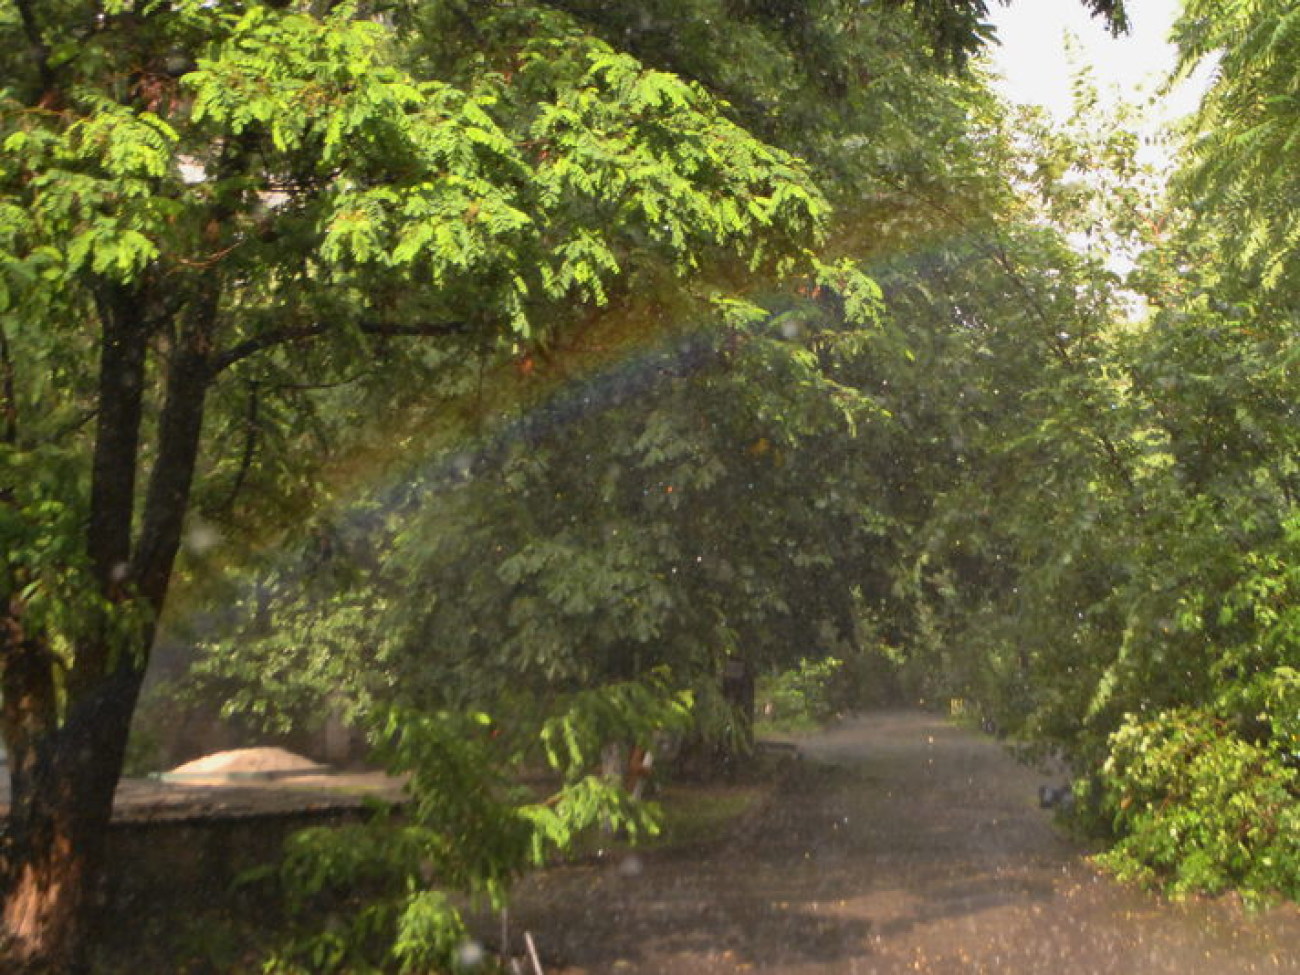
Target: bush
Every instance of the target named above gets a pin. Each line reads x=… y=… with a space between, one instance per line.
x=1200 y=808
x=384 y=895
x=800 y=698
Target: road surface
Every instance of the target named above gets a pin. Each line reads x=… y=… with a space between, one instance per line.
x=902 y=844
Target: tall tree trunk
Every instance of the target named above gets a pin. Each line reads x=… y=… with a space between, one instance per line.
x=66 y=727
x=62 y=785
x=66 y=758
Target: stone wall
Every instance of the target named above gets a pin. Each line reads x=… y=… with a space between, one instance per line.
x=199 y=860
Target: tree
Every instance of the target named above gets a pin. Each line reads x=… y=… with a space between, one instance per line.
x=690 y=505
x=202 y=200
x=713 y=496
x=197 y=193
x=1103 y=559
x=1238 y=166
x=1200 y=782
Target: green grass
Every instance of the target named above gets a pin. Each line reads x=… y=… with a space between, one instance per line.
x=794 y=724
x=700 y=814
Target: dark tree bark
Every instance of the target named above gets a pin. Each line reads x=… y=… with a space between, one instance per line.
x=738 y=691
x=66 y=758
x=62 y=785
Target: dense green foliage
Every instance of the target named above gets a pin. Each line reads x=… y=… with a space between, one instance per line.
x=1018 y=478
x=1240 y=162
x=1113 y=579
x=548 y=360
x=473 y=824
x=799 y=698
x=227 y=232
x=1201 y=808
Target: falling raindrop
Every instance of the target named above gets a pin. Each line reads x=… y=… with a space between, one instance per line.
x=202 y=538
x=463 y=465
x=470 y=955
x=631 y=866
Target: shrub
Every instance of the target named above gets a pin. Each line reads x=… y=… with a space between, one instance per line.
x=384 y=895
x=801 y=697
x=1199 y=807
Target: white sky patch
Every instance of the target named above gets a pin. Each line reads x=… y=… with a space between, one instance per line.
x=1044 y=44
x=1036 y=68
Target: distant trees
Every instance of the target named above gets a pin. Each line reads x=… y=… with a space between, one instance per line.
x=1110 y=573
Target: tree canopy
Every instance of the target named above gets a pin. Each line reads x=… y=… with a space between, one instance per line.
x=504 y=371
x=213 y=206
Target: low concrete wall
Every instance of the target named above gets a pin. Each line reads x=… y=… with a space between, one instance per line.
x=199 y=860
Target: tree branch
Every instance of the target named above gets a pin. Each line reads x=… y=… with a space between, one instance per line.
x=8 y=394
x=252 y=426
x=180 y=429
x=288 y=336
x=36 y=46
x=124 y=337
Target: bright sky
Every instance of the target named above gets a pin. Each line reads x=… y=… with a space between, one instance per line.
x=1033 y=59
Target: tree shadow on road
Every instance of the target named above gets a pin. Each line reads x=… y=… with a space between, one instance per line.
x=685 y=925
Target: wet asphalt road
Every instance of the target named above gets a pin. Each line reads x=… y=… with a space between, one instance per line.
x=902 y=844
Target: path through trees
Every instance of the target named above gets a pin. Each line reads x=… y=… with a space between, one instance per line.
x=902 y=844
